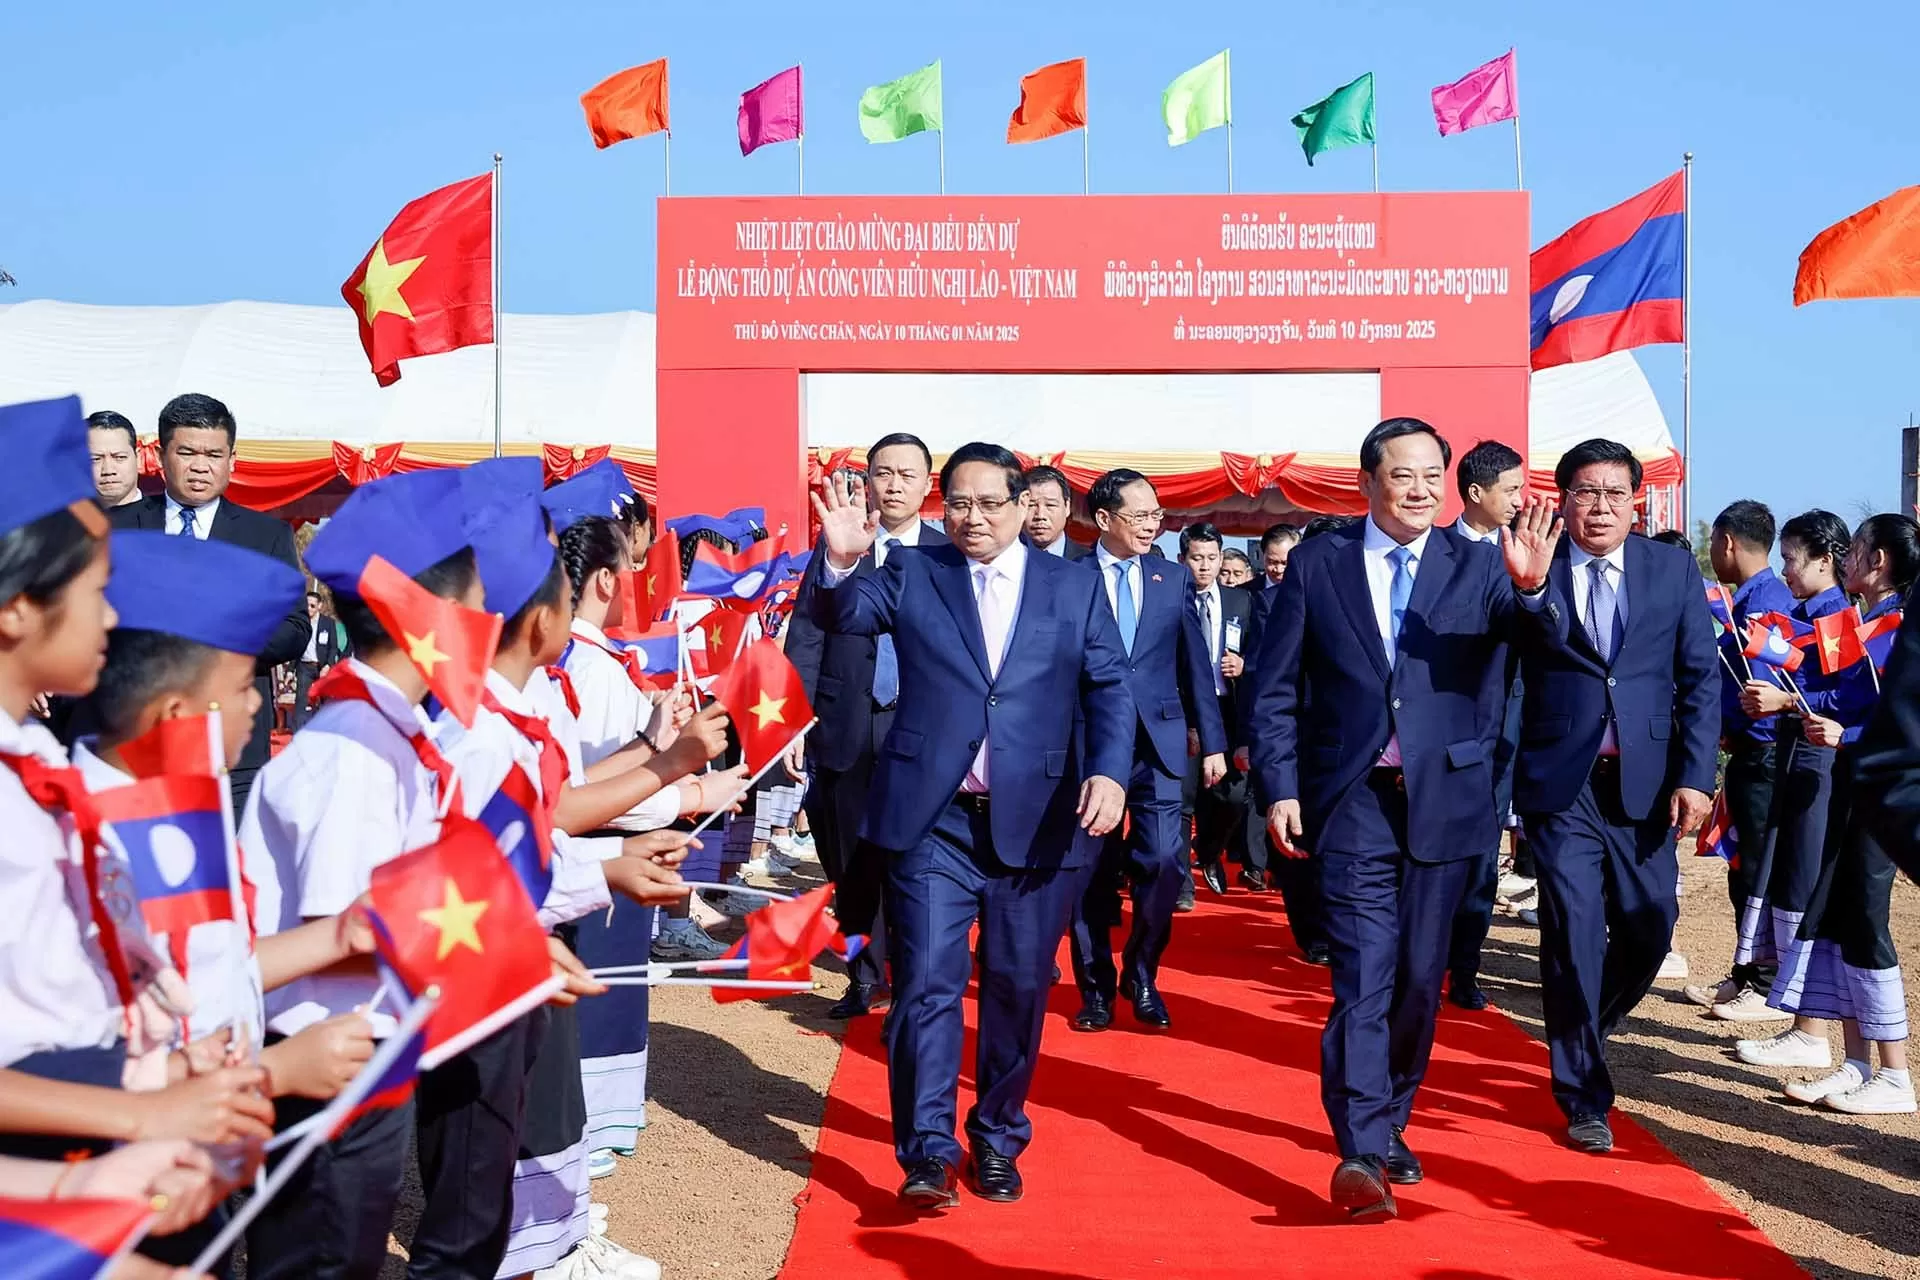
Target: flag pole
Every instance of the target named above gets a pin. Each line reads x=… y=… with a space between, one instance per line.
x=1086 y=170
x=800 y=140
x=496 y=304
x=1686 y=354
x=1376 y=168
x=666 y=163
x=1519 y=176
x=1227 y=67
x=943 y=159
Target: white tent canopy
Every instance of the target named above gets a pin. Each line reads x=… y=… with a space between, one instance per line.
x=297 y=373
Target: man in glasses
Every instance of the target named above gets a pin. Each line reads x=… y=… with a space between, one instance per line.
x=1012 y=734
x=1617 y=756
x=1170 y=674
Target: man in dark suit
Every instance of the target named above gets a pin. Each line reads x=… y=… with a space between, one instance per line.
x=1226 y=621
x=1171 y=679
x=326 y=648
x=1373 y=746
x=1051 y=502
x=1012 y=735
x=1619 y=744
x=197 y=436
x=853 y=682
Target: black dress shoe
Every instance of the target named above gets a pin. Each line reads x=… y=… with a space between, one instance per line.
x=930 y=1185
x=1360 y=1187
x=1403 y=1167
x=1591 y=1134
x=1096 y=1013
x=1149 y=1010
x=861 y=999
x=991 y=1176
x=1317 y=954
x=1468 y=996
x=1254 y=878
x=1215 y=875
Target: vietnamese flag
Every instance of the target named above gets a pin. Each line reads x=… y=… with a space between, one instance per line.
x=450 y=645
x=782 y=940
x=628 y=104
x=1837 y=638
x=657 y=580
x=1053 y=101
x=453 y=915
x=723 y=630
x=426 y=286
x=766 y=700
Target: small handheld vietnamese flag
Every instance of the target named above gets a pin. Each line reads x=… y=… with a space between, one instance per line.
x=766 y=700
x=1766 y=645
x=68 y=1239
x=1837 y=641
x=783 y=938
x=454 y=915
x=426 y=286
x=450 y=645
x=723 y=631
x=656 y=582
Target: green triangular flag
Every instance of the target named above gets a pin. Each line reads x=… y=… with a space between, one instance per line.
x=909 y=105
x=1341 y=119
x=1198 y=100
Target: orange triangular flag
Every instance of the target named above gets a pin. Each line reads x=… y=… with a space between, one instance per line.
x=628 y=104
x=1873 y=254
x=1053 y=100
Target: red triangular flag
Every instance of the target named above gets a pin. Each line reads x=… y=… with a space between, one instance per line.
x=426 y=286
x=766 y=700
x=450 y=645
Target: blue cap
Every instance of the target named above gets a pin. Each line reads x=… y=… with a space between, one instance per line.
x=48 y=467
x=215 y=593
x=500 y=507
x=412 y=521
x=601 y=490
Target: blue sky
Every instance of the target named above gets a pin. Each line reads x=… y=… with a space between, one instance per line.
x=214 y=149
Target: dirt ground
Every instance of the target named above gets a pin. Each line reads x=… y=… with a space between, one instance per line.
x=738 y=1090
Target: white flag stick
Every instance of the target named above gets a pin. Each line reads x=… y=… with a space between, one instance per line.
x=667 y=969
x=716 y=886
x=743 y=984
x=748 y=786
x=322 y=1124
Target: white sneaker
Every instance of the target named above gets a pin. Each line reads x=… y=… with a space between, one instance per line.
x=601 y=1164
x=1751 y=1006
x=704 y=913
x=1717 y=994
x=756 y=866
x=1880 y=1096
x=614 y=1261
x=1791 y=1048
x=1512 y=886
x=1844 y=1078
x=686 y=944
x=1673 y=968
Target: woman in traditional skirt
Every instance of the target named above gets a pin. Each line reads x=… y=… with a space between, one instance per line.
x=1812 y=547
x=1841 y=965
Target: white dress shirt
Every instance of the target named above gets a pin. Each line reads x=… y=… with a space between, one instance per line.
x=613 y=711
x=1472 y=534
x=996 y=592
x=1107 y=560
x=1215 y=627
x=884 y=541
x=1376 y=546
x=1582 y=580
x=202 y=517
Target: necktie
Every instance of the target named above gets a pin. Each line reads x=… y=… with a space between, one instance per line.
x=1206 y=627
x=991 y=584
x=1124 y=610
x=1602 y=602
x=1401 y=591
x=886 y=663
x=187 y=517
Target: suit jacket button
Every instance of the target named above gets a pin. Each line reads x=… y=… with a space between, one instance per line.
x=974 y=745
x=1611 y=682
x=993 y=701
x=1396 y=704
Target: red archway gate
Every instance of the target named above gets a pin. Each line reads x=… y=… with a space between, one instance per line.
x=1429 y=290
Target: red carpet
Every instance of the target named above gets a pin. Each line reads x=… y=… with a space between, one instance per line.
x=1204 y=1153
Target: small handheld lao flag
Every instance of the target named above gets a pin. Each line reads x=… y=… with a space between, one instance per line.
x=68 y=1239
x=742 y=575
x=1717 y=838
x=513 y=816
x=395 y=1084
x=1720 y=604
x=1767 y=646
x=767 y=701
x=1877 y=636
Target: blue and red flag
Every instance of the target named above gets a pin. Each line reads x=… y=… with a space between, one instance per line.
x=737 y=526
x=68 y=1239
x=749 y=574
x=513 y=815
x=1720 y=604
x=1717 y=838
x=396 y=1083
x=1767 y=645
x=1613 y=281
x=1877 y=636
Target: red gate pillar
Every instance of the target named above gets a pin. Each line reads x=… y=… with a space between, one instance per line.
x=728 y=438
x=1466 y=405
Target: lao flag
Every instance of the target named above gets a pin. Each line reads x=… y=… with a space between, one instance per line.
x=1720 y=604
x=739 y=575
x=395 y=1084
x=655 y=651
x=1877 y=637
x=1767 y=646
x=513 y=815
x=783 y=938
x=737 y=527
x=1717 y=839
x=68 y=1239
x=1613 y=281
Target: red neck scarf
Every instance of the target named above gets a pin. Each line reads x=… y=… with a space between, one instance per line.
x=343 y=684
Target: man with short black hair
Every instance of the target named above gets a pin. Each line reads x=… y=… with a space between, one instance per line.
x=1050 y=501
x=197 y=435
x=1741 y=551
x=1276 y=544
x=853 y=682
x=116 y=458
x=1226 y=617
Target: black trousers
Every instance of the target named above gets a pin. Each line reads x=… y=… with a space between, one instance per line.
x=1473 y=921
x=330 y=1222
x=1751 y=768
x=1297 y=879
x=835 y=804
x=469 y=1113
